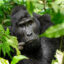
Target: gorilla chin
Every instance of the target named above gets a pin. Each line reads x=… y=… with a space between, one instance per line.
x=32 y=39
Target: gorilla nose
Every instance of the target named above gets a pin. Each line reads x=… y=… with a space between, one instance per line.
x=29 y=34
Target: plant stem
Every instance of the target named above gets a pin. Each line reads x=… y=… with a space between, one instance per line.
x=61 y=43
x=44 y=1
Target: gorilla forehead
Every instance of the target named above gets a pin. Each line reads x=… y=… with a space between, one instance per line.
x=20 y=14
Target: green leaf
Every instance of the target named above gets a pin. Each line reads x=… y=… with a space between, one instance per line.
x=1 y=28
x=55 y=7
x=7 y=32
x=14 y=43
x=18 y=1
x=54 y=62
x=4 y=44
x=49 y=0
x=6 y=20
x=58 y=5
x=6 y=1
x=54 y=31
x=7 y=41
x=1 y=13
x=1 y=32
x=59 y=58
x=30 y=6
x=16 y=59
x=5 y=48
x=1 y=2
x=3 y=61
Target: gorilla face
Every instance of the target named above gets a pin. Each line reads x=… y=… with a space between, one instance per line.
x=28 y=29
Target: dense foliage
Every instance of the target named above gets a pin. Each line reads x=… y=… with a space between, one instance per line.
x=53 y=7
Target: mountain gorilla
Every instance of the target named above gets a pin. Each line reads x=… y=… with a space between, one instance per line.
x=27 y=30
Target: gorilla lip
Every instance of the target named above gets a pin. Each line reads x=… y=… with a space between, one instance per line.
x=30 y=41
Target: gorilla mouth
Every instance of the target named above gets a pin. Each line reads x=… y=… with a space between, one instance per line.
x=28 y=42
x=31 y=41
x=21 y=44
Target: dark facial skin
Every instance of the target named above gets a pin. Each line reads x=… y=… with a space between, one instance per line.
x=26 y=28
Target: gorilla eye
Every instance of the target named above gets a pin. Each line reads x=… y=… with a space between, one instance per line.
x=30 y=22
x=21 y=25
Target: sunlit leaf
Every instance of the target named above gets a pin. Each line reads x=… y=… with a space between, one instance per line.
x=14 y=43
x=59 y=58
x=7 y=32
x=3 y=61
x=16 y=59
x=58 y=5
x=30 y=6
x=18 y=1
x=7 y=41
x=54 y=31
x=5 y=48
x=6 y=1
x=55 y=7
x=1 y=2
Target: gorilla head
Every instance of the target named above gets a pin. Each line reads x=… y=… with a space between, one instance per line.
x=25 y=27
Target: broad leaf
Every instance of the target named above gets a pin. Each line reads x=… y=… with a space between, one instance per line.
x=54 y=31
x=7 y=32
x=16 y=59
x=6 y=41
x=14 y=43
x=30 y=6
x=3 y=61
x=59 y=58
x=1 y=2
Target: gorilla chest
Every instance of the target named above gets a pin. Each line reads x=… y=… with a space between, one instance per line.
x=35 y=57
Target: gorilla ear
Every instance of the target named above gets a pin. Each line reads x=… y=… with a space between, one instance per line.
x=45 y=17
x=36 y=15
x=45 y=20
x=17 y=8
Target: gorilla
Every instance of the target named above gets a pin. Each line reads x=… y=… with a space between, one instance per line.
x=27 y=30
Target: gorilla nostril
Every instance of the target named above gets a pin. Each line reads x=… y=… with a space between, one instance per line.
x=29 y=34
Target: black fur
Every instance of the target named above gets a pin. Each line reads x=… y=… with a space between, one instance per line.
x=39 y=50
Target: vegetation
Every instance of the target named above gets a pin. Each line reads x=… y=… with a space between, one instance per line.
x=3 y=61
x=53 y=7
x=59 y=58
